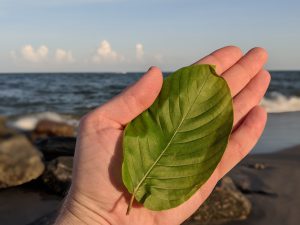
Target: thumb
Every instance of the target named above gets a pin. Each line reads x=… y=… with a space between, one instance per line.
x=133 y=100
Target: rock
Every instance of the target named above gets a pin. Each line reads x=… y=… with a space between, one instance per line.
x=2 y=120
x=54 y=147
x=2 y=125
x=250 y=182
x=258 y=166
x=225 y=204
x=20 y=161
x=46 y=128
x=58 y=175
x=5 y=132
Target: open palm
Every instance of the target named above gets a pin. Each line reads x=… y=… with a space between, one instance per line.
x=97 y=195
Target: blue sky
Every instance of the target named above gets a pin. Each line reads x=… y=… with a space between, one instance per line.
x=131 y=35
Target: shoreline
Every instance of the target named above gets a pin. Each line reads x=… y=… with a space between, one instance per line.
x=281 y=130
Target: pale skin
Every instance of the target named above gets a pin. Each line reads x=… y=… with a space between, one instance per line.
x=97 y=195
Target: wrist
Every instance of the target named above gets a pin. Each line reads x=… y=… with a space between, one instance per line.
x=74 y=212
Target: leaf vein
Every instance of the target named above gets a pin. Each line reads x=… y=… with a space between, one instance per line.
x=168 y=144
x=187 y=176
x=199 y=138
x=190 y=164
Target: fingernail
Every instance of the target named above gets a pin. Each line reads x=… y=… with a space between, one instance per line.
x=149 y=68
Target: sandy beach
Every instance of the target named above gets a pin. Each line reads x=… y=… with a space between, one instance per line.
x=274 y=194
x=271 y=188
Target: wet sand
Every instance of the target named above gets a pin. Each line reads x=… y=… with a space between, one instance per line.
x=24 y=204
x=276 y=198
x=281 y=132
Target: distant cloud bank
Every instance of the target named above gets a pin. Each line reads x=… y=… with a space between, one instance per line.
x=29 y=54
x=104 y=54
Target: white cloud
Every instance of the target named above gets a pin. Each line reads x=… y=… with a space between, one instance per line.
x=32 y=55
x=139 y=51
x=41 y=54
x=62 y=55
x=105 y=53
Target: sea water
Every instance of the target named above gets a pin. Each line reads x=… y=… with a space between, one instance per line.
x=27 y=98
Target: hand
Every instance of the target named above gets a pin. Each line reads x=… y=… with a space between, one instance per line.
x=97 y=195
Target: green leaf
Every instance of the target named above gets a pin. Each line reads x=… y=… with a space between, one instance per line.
x=172 y=148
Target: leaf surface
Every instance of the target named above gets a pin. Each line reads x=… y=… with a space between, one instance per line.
x=172 y=148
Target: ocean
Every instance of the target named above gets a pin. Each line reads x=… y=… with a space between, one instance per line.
x=26 y=98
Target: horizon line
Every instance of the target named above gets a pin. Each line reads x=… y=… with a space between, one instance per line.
x=111 y=72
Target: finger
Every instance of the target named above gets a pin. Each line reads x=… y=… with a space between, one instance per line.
x=242 y=140
x=245 y=69
x=222 y=58
x=133 y=100
x=240 y=143
x=251 y=95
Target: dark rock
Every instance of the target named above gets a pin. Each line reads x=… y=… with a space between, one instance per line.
x=58 y=175
x=48 y=128
x=20 y=161
x=54 y=147
x=225 y=204
x=48 y=219
x=258 y=166
x=248 y=181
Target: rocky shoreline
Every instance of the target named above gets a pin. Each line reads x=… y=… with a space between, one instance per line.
x=36 y=171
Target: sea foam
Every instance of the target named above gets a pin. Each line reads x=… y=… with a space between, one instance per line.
x=278 y=102
x=29 y=122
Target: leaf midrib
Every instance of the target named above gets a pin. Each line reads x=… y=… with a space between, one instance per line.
x=170 y=141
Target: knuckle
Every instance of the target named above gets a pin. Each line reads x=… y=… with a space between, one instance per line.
x=255 y=94
x=253 y=131
x=134 y=101
x=243 y=70
x=239 y=148
x=239 y=110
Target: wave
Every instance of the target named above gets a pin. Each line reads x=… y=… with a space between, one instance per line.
x=29 y=122
x=278 y=102
x=274 y=103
